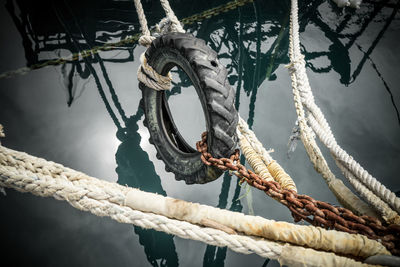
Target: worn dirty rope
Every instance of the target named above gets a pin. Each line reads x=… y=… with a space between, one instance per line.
x=380 y=197
x=26 y=173
x=146 y=74
x=260 y=159
x=302 y=207
x=306 y=208
x=344 y=195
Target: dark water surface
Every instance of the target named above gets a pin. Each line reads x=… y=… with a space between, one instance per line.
x=76 y=113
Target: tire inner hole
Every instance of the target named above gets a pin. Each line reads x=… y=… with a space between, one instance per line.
x=186 y=110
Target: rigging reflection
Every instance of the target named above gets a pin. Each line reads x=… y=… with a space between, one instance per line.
x=252 y=42
x=133 y=164
x=108 y=20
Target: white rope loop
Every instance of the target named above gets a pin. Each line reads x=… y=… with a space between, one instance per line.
x=175 y=24
x=147 y=75
x=146 y=37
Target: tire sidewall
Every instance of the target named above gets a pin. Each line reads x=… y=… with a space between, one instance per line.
x=182 y=164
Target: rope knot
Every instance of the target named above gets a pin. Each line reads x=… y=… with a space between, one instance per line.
x=147 y=75
x=168 y=24
x=146 y=40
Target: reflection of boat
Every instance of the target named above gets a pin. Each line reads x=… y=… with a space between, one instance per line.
x=261 y=50
x=244 y=60
x=110 y=21
x=343 y=37
x=41 y=30
x=135 y=169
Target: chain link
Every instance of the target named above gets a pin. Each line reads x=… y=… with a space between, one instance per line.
x=303 y=207
x=215 y=11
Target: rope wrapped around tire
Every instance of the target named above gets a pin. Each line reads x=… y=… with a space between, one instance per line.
x=209 y=77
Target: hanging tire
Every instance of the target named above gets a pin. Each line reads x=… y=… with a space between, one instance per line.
x=209 y=78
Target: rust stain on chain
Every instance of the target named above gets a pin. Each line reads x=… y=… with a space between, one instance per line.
x=303 y=207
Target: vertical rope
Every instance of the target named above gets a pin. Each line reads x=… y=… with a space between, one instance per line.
x=304 y=99
x=175 y=24
x=299 y=81
x=146 y=38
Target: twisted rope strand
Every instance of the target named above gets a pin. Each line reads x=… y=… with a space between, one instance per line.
x=304 y=99
x=260 y=159
x=26 y=173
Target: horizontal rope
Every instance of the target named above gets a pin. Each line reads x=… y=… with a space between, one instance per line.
x=40 y=177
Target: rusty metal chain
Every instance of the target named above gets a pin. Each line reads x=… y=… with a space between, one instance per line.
x=303 y=207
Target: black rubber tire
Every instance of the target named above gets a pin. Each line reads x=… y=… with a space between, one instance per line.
x=217 y=97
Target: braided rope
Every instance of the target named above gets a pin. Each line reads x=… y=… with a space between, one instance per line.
x=146 y=37
x=254 y=159
x=388 y=214
x=93 y=201
x=244 y=129
x=304 y=99
x=26 y=173
x=176 y=25
x=147 y=75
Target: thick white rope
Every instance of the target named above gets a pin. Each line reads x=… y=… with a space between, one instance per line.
x=26 y=173
x=146 y=74
x=322 y=129
x=382 y=207
x=354 y=168
x=146 y=37
x=84 y=199
x=175 y=23
x=342 y=193
x=305 y=99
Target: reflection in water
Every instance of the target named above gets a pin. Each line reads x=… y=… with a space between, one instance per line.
x=136 y=170
x=384 y=83
x=43 y=34
x=252 y=42
x=112 y=20
x=133 y=164
x=338 y=51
